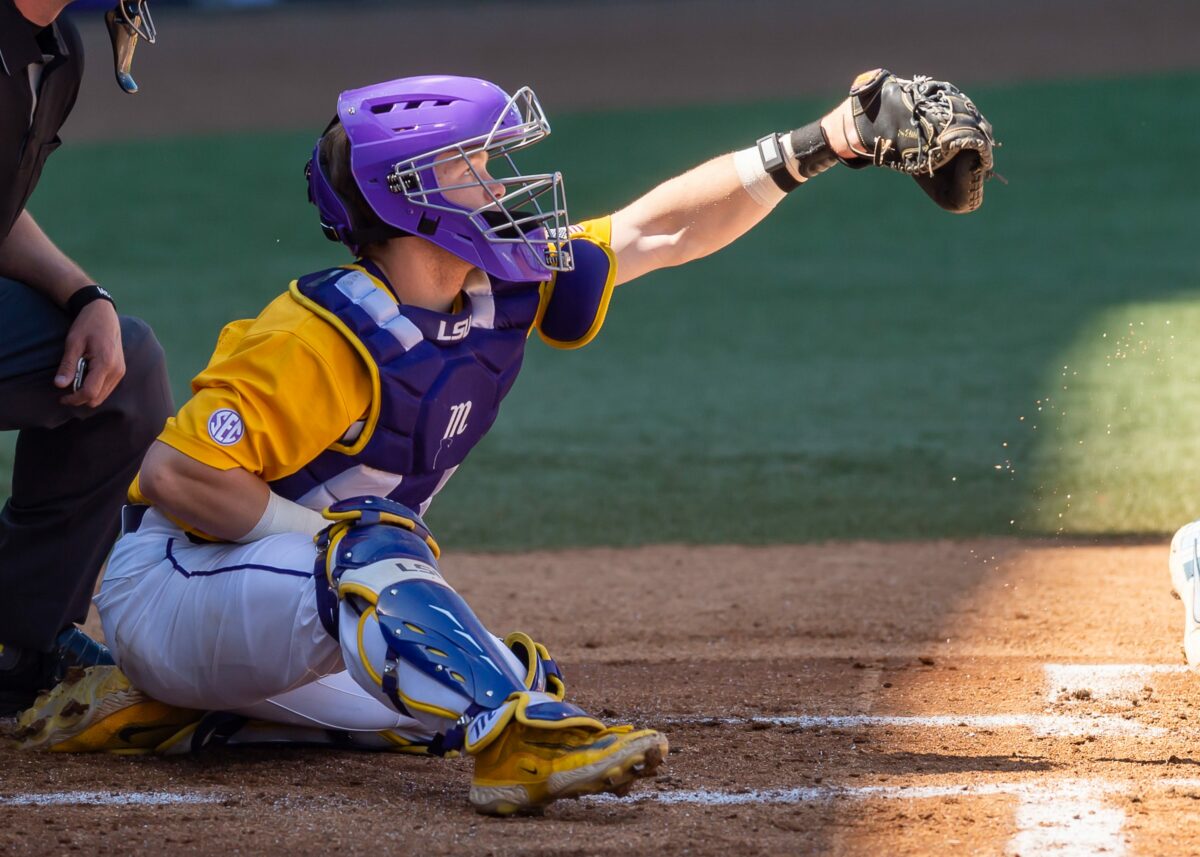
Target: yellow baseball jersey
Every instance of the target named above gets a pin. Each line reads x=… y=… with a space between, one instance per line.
x=282 y=388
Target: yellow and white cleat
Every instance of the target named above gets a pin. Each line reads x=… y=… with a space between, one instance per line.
x=527 y=768
x=98 y=710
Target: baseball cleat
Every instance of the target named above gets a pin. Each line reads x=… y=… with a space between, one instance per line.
x=526 y=768
x=98 y=710
x=1183 y=564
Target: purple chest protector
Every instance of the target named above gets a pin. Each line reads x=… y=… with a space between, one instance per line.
x=440 y=380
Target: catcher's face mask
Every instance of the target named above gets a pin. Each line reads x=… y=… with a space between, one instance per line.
x=127 y=22
x=514 y=211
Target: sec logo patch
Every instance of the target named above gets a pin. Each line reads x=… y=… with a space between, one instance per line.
x=226 y=427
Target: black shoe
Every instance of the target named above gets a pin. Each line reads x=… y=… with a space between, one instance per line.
x=25 y=673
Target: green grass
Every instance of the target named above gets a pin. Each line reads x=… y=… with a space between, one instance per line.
x=1116 y=443
x=855 y=368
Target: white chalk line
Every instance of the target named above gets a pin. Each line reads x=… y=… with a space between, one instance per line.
x=1039 y=724
x=1066 y=824
x=1068 y=818
x=107 y=798
x=826 y=793
x=1072 y=789
x=1064 y=817
x=1102 y=681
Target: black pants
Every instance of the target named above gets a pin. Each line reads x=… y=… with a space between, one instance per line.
x=72 y=466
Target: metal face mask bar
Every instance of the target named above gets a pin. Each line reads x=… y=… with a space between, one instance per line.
x=127 y=22
x=531 y=209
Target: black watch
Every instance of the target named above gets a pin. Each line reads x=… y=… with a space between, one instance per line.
x=774 y=161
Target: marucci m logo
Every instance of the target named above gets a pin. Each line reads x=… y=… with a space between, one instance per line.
x=458 y=420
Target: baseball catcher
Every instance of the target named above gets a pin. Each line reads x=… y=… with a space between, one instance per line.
x=276 y=578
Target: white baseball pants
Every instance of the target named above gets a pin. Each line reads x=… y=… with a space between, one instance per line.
x=231 y=627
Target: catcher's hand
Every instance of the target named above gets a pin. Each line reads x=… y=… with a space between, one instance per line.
x=926 y=128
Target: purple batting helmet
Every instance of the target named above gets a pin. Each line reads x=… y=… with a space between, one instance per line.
x=398 y=130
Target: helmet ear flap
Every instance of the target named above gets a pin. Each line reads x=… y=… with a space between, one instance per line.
x=335 y=216
x=330 y=231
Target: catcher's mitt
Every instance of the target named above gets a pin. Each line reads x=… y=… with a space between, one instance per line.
x=928 y=129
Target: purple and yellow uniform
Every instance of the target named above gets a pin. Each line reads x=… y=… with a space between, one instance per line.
x=341 y=397
x=336 y=390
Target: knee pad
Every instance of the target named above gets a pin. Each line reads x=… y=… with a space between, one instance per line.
x=365 y=546
x=413 y=641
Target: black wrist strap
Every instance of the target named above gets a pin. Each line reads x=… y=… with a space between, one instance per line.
x=85 y=296
x=774 y=161
x=814 y=155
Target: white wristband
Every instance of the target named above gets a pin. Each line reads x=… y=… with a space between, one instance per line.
x=755 y=178
x=284 y=516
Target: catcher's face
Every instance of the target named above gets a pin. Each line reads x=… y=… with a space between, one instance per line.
x=468 y=181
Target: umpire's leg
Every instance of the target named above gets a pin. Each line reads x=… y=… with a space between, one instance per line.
x=71 y=469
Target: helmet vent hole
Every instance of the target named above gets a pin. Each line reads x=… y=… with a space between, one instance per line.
x=389 y=106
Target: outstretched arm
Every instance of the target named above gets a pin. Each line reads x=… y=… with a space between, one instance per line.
x=925 y=128
x=714 y=204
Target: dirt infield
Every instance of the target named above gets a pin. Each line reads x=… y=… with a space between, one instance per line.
x=846 y=699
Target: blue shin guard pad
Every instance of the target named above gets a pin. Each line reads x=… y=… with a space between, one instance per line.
x=413 y=642
x=428 y=655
